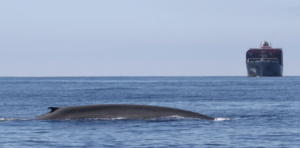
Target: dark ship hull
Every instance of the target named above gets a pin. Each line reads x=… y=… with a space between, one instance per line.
x=264 y=68
x=264 y=61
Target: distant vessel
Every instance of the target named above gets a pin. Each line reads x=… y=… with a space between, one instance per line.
x=264 y=61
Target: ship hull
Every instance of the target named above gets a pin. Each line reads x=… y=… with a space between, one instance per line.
x=264 y=68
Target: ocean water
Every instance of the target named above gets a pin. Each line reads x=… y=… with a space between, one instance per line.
x=252 y=111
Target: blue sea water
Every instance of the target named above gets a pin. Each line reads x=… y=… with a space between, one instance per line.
x=251 y=111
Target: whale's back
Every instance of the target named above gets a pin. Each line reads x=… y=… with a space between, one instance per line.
x=117 y=111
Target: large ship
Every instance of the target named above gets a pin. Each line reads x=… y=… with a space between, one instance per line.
x=264 y=61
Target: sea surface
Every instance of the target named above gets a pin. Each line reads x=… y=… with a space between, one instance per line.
x=251 y=111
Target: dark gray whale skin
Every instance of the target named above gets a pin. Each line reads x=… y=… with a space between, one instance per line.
x=116 y=111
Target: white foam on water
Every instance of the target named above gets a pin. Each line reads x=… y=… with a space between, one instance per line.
x=221 y=119
x=175 y=117
x=117 y=118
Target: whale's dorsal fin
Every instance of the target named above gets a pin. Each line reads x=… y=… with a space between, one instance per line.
x=53 y=109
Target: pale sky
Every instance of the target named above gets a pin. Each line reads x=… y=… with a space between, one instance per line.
x=144 y=37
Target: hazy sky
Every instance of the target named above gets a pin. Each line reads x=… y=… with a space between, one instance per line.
x=143 y=37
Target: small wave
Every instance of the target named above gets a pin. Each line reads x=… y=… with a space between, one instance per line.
x=173 y=117
x=169 y=118
x=221 y=119
x=12 y=119
x=116 y=118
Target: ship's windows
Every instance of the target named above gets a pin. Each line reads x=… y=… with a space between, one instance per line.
x=264 y=55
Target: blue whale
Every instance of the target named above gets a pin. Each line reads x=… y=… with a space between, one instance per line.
x=118 y=111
